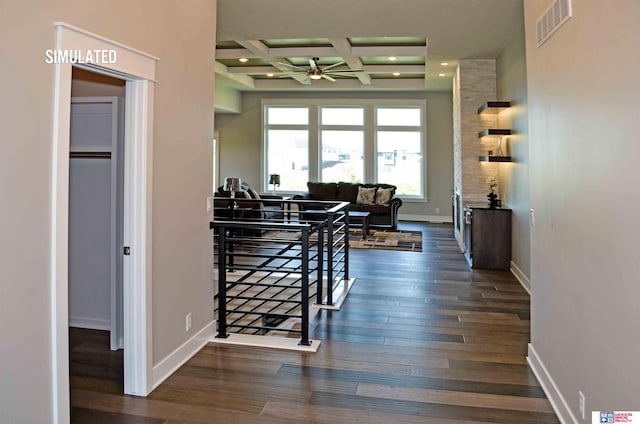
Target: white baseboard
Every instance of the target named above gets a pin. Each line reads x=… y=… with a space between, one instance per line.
x=458 y=235
x=426 y=218
x=90 y=323
x=339 y=294
x=558 y=402
x=524 y=281
x=182 y=354
x=270 y=342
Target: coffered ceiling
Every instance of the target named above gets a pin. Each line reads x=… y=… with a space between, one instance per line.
x=359 y=44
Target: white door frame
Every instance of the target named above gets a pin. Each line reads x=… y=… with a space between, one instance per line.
x=138 y=69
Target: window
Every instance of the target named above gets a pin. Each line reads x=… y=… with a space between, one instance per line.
x=356 y=141
x=342 y=144
x=287 y=146
x=399 y=148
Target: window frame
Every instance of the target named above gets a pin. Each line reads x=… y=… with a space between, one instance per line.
x=266 y=127
x=370 y=135
x=421 y=129
x=336 y=127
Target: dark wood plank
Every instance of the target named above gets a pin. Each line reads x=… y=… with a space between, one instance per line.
x=427 y=409
x=414 y=382
x=422 y=338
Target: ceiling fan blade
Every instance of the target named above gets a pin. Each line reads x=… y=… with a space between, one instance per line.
x=292 y=66
x=328 y=78
x=342 y=74
x=326 y=68
x=341 y=71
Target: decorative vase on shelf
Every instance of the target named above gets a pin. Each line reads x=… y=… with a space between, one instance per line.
x=492 y=182
x=493 y=200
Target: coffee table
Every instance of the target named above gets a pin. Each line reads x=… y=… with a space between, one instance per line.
x=361 y=218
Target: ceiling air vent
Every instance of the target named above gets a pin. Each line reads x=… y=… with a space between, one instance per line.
x=556 y=14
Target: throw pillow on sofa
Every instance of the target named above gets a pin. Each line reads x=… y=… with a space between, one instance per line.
x=366 y=196
x=383 y=196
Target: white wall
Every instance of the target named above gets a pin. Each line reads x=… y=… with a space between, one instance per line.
x=241 y=144
x=228 y=99
x=514 y=177
x=583 y=91
x=184 y=40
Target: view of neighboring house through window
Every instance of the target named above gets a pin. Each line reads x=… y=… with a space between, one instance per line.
x=399 y=148
x=359 y=141
x=287 y=140
x=342 y=144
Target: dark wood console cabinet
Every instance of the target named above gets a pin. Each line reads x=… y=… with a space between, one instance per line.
x=487 y=236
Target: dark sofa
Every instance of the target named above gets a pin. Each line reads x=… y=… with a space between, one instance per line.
x=383 y=211
x=247 y=205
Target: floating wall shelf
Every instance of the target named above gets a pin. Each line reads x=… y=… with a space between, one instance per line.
x=492 y=108
x=495 y=158
x=494 y=131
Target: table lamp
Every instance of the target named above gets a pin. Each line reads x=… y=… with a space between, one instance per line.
x=232 y=185
x=275 y=180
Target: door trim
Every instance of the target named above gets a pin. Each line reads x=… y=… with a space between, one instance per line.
x=138 y=69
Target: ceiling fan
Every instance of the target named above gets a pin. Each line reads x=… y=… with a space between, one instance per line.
x=316 y=72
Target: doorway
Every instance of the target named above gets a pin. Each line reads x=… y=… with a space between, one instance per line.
x=138 y=70
x=96 y=205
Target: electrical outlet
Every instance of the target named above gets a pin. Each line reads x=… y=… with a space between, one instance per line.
x=437 y=211
x=581 y=404
x=188 y=322
x=209 y=204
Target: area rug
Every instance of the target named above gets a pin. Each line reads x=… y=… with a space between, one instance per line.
x=402 y=240
x=409 y=241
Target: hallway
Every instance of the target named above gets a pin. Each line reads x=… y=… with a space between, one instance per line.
x=420 y=339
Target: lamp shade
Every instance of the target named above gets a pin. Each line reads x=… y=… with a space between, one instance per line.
x=232 y=184
x=274 y=179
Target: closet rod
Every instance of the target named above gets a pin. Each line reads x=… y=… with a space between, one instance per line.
x=90 y=155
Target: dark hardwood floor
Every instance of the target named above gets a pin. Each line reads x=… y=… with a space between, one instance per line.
x=421 y=339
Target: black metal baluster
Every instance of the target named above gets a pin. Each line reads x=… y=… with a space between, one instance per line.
x=305 y=288
x=222 y=285
x=320 y=267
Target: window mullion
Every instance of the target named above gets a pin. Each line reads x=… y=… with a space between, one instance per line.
x=314 y=144
x=369 y=144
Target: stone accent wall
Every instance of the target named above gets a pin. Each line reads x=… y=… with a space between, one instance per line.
x=474 y=84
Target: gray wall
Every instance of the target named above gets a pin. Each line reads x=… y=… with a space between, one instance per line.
x=514 y=177
x=583 y=90
x=240 y=144
x=184 y=40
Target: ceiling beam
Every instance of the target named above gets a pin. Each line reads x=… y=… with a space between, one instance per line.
x=425 y=65
x=343 y=47
x=311 y=51
x=415 y=84
x=257 y=47
x=376 y=69
x=239 y=78
x=234 y=54
x=320 y=51
x=388 y=50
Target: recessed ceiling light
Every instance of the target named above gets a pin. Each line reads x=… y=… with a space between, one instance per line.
x=396 y=74
x=269 y=74
x=392 y=58
x=441 y=75
x=243 y=59
x=444 y=63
